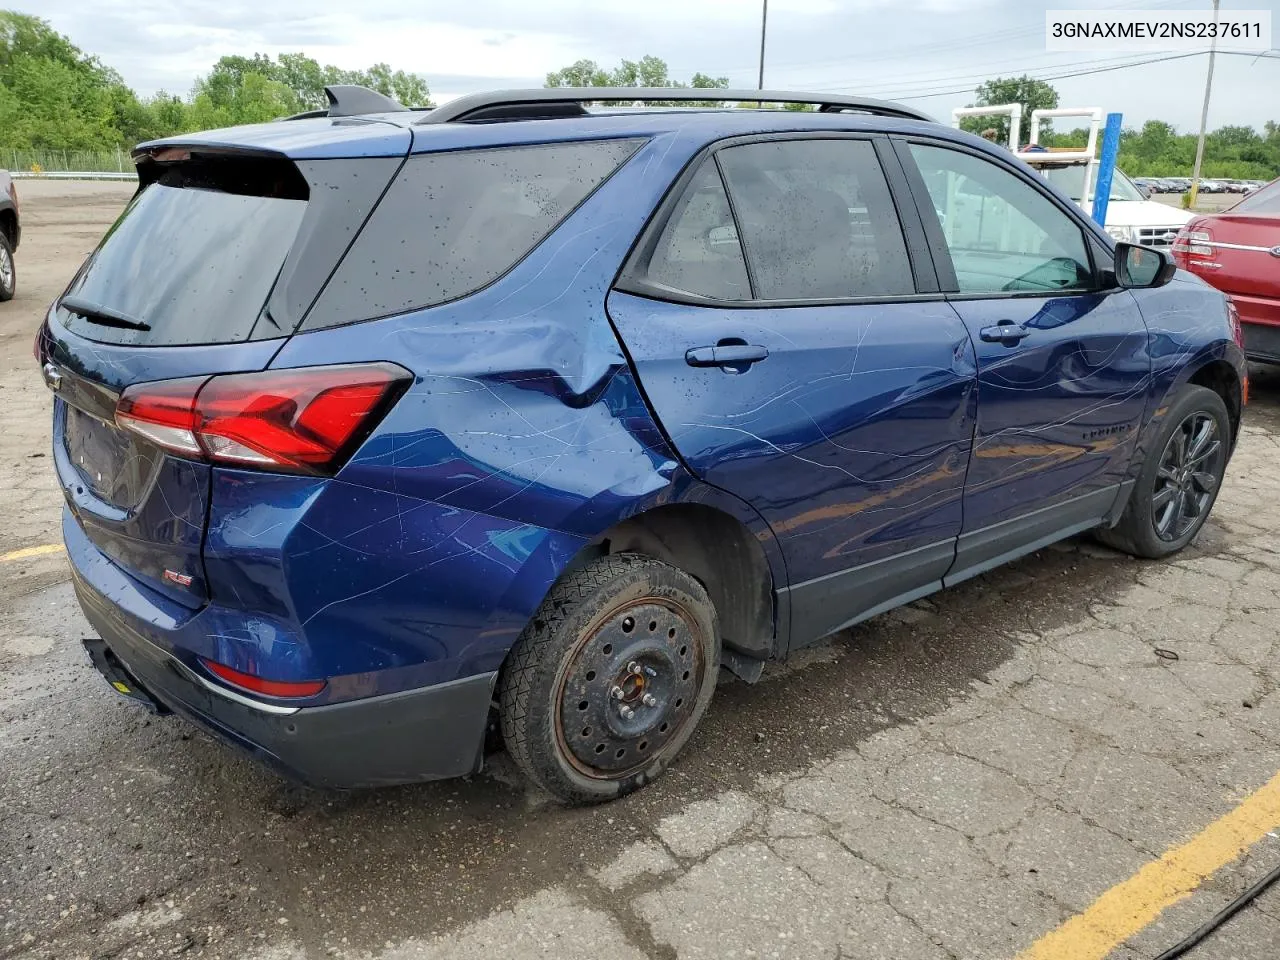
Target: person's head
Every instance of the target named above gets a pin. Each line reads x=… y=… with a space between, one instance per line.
x=990 y=134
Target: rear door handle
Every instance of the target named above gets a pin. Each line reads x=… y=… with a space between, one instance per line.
x=726 y=355
x=1006 y=332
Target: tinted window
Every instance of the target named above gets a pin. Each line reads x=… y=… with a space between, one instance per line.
x=1003 y=233
x=193 y=257
x=451 y=223
x=698 y=251
x=1070 y=180
x=817 y=220
x=1264 y=200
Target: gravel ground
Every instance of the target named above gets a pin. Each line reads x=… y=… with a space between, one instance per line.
x=951 y=780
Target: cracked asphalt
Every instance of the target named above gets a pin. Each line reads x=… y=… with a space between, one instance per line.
x=951 y=780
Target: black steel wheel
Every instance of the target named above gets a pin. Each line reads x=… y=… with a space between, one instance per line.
x=608 y=681
x=1180 y=479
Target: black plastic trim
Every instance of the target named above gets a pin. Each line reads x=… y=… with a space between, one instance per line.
x=827 y=604
x=982 y=550
x=1261 y=341
x=465 y=109
x=415 y=735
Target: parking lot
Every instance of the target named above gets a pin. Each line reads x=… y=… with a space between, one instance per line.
x=1059 y=759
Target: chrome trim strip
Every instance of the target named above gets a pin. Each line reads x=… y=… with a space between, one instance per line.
x=1231 y=246
x=271 y=708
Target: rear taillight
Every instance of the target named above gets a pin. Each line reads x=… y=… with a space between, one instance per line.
x=1193 y=241
x=306 y=420
x=255 y=684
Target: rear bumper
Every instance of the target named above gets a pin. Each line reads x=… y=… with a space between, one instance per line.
x=1261 y=340
x=424 y=734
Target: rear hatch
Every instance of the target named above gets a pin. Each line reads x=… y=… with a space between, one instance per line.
x=211 y=265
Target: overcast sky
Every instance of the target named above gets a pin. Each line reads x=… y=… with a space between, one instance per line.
x=921 y=50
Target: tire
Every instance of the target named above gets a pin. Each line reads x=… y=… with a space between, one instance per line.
x=609 y=679
x=8 y=272
x=1172 y=500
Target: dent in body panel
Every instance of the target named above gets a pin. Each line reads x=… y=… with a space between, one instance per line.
x=851 y=438
x=1189 y=328
x=522 y=437
x=1059 y=411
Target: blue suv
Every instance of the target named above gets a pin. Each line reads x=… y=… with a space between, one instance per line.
x=380 y=429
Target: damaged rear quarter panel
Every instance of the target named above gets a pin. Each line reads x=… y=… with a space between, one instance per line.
x=522 y=437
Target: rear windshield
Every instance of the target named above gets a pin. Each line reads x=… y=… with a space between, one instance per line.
x=191 y=260
x=1265 y=200
x=451 y=223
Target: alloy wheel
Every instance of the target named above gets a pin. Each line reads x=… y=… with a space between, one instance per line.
x=1188 y=476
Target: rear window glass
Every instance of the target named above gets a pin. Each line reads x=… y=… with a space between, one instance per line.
x=1264 y=200
x=452 y=223
x=189 y=261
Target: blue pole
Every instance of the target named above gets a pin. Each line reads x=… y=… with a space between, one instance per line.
x=1106 y=167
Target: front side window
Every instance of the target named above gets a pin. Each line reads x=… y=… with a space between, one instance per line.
x=817 y=220
x=1003 y=234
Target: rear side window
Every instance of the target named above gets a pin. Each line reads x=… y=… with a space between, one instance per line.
x=817 y=220
x=698 y=250
x=1263 y=200
x=451 y=223
x=192 y=258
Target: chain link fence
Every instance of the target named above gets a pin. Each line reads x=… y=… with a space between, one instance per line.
x=60 y=163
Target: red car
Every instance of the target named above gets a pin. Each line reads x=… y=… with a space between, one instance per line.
x=1238 y=251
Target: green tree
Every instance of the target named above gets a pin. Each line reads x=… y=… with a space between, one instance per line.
x=584 y=73
x=648 y=71
x=1031 y=93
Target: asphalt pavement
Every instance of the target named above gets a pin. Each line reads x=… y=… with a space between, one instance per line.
x=1061 y=757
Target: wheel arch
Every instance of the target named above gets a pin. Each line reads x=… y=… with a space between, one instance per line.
x=9 y=225
x=721 y=553
x=1224 y=380
x=1219 y=366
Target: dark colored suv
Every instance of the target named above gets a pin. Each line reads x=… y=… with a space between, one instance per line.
x=375 y=425
x=10 y=234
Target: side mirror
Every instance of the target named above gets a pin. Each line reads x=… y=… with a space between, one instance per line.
x=1142 y=267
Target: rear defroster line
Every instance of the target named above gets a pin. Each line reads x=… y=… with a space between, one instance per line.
x=1222 y=916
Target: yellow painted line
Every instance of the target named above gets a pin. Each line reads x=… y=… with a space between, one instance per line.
x=1129 y=907
x=28 y=552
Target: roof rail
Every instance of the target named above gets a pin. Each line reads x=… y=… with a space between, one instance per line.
x=544 y=103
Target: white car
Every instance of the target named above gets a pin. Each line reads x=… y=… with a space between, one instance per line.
x=1131 y=217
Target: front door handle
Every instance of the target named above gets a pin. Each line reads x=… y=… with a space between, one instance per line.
x=726 y=355
x=1006 y=332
